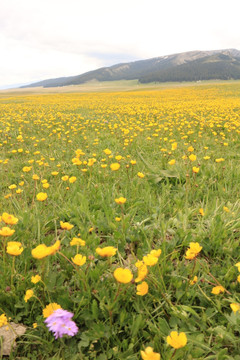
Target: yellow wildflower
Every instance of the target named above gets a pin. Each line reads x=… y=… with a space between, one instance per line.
x=142 y=289
x=77 y=241
x=65 y=178
x=14 y=248
x=3 y=320
x=123 y=276
x=35 y=279
x=235 y=307
x=6 y=231
x=41 y=196
x=66 y=225
x=28 y=295
x=150 y=260
x=140 y=175
x=193 y=281
x=201 y=211
x=115 y=166
x=9 y=219
x=149 y=354
x=195 y=169
x=176 y=340
x=121 y=200
x=107 y=251
x=216 y=290
x=193 y=251
x=79 y=259
x=72 y=179
x=50 y=308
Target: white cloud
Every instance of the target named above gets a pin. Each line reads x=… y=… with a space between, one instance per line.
x=49 y=38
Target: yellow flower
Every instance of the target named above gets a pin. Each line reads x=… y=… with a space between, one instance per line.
x=118 y=157
x=238 y=266
x=192 y=157
x=106 y=251
x=123 y=276
x=193 y=281
x=54 y=248
x=107 y=151
x=115 y=166
x=133 y=162
x=35 y=177
x=3 y=320
x=117 y=218
x=150 y=260
x=238 y=278
x=50 y=308
x=14 y=248
x=91 y=161
x=206 y=157
x=201 y=211
x=35 y=279
x=235 y=307
x=140 y=175
x=19 y=191
x=12 y=187
x=156 y=253
x=65 y=178
x=219 y=160
x=7 y=196
x=176 y=340
x=149 y=354
x=174 y=146
x=193 y=251
x=28 y=295
x=77 y=241
x=35 y=325
x=79 y=259
x=6 y=231
x=27 y=168
x=217 y=290
x=41 y=251
x=142 y=289
x=195 y=169
x=41 y=196
x=225 y=208
x=66 y=225
x=72 y=179
x=142 y=271
x=55 y=173
x=172 y=162
x=121 y=200
x=9 y=219
x=190 y=149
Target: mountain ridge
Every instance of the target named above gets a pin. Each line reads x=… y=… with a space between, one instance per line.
x=186 y=66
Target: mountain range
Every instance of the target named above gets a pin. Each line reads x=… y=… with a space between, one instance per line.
x=186 y=66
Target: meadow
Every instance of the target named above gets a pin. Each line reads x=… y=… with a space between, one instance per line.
x=122 y=209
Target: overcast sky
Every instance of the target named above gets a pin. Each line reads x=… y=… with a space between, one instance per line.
x=41 y=39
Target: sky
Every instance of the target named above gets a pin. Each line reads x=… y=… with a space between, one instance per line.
x=43 y=39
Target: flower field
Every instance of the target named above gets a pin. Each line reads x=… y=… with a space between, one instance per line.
x=120 y=223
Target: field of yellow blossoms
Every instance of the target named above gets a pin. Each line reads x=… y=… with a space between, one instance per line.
x=119 y=224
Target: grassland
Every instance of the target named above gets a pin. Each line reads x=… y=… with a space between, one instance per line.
x=67 y=162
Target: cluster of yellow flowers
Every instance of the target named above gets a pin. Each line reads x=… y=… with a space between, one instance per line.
x=175 y=339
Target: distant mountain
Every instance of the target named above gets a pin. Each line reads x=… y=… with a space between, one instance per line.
x=187 y=66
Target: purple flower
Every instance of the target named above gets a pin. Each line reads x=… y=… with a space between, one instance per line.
x=60 y=323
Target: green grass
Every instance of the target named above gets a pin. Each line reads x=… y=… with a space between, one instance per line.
x=161 y=212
